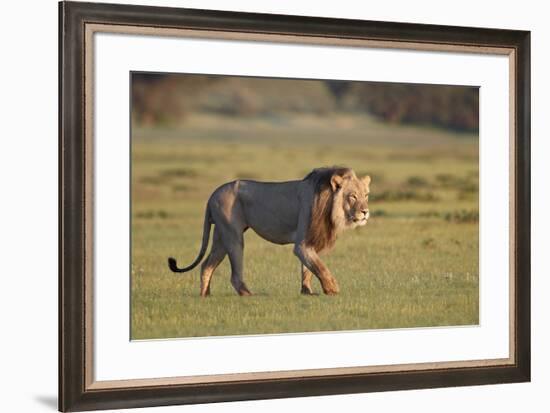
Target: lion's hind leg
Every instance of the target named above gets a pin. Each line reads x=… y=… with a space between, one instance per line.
x=234 y=245
x=216 y=256
x=231 y=224
x=235 y=253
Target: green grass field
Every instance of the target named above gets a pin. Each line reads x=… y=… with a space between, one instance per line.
x=415 y=264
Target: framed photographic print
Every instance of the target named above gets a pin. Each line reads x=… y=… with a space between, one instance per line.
x=265 y=206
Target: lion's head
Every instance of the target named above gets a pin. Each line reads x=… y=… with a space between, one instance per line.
x=341 y=202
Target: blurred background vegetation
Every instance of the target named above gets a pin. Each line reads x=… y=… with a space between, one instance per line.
x=170 y=100
x=416 y=262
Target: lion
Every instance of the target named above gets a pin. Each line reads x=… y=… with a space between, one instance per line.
x=309 y=213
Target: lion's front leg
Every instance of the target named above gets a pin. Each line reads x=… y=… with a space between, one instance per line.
x=311 y=260
x=306 y=281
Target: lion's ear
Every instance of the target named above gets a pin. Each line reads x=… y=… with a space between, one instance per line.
x=336 y=182
x=366 y=181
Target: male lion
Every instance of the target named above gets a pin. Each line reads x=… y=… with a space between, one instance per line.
x=309 y=214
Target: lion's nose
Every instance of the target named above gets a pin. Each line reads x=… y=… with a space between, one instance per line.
x=365 y=212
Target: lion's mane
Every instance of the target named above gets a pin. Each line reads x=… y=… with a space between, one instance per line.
x=326 y=221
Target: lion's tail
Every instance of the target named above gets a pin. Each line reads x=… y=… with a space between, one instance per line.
x=205 y=238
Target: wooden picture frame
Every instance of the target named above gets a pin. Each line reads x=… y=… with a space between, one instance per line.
x=78 y=22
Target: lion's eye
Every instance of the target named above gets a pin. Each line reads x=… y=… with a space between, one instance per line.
x=353 y=198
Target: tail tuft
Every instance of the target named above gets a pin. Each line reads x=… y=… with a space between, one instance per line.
x=173 y=265
x=205 y=237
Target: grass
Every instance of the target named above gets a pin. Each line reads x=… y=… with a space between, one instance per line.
x=415 y=264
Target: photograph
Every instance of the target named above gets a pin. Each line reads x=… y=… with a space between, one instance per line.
x=350 y=196
x=278 y=205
